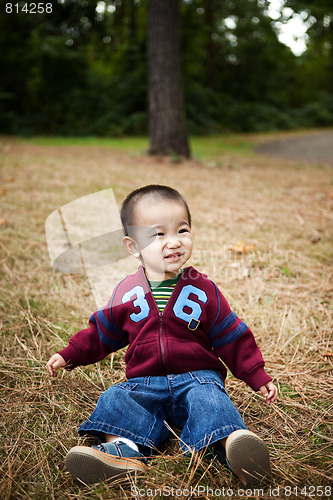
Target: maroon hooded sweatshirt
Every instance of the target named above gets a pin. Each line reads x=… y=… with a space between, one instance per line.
x=196 y=331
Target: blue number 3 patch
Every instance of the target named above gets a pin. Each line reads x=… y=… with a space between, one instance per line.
x=140 y=301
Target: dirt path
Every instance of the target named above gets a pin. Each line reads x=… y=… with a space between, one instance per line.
x=308 y=147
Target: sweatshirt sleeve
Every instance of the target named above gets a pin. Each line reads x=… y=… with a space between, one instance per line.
x=94 y=343
x=235 y=344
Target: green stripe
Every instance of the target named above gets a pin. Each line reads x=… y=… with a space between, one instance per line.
x=162 y=300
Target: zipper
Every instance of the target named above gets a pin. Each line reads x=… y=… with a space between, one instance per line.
x=160 y=336
x=160 y=330
x=160 y=315
x=160 y=324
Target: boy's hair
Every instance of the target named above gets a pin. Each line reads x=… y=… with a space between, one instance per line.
x=156 y=191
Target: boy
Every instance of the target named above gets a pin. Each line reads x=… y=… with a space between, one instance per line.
x=178 y=327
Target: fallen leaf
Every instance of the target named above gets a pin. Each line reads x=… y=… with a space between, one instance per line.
x=328 y=354
x=315 y=239
x=3 y=191
x=242 y=248
x=10 y=179
x=3 y=222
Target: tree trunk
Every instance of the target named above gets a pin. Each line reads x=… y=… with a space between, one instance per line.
x=167 y=122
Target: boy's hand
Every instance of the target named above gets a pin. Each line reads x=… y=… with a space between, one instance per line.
x=54 y=363
x=270 y=392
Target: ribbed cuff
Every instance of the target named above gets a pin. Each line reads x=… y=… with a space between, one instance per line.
x=72 y=356
x=257 y=378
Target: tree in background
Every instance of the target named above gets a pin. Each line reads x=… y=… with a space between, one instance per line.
x=167 y=122
x=314 y=71
x=82 y=70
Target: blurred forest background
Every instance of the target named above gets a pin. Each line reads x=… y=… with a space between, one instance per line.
x=82 y=69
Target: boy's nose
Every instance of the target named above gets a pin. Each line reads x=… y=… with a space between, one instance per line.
x=173 y=242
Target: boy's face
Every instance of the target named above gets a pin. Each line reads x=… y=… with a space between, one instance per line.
x=169 y=243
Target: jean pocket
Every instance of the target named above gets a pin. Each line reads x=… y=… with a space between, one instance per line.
x=209 y=379
x=127 y=386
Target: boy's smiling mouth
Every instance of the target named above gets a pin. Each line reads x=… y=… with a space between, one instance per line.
x=174 y=256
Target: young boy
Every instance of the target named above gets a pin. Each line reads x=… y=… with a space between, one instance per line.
x=178 y=327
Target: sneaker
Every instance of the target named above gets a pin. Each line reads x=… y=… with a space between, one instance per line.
x=248 y=457
x=104 y=462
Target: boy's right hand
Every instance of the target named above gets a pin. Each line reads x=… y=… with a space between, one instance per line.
x=54 y=363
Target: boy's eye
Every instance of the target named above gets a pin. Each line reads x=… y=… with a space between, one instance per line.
x=184 y=230
x=155 y=235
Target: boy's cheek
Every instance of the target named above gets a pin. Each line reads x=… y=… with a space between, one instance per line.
x=189 y=241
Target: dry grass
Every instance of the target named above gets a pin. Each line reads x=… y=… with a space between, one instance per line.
x=282 y=289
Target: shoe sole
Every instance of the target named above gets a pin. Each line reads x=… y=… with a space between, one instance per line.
x=248 y=457
x=91 y=466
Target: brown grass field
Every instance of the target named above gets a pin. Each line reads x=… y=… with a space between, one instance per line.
x=262 y=231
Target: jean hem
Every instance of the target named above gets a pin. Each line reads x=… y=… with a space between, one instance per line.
x=100 y=430
x=216 y=435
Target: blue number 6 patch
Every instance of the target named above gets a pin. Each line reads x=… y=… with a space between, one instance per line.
x=140 y=301
x=184 y=301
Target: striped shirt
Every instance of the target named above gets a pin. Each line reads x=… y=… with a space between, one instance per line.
x=162 y=290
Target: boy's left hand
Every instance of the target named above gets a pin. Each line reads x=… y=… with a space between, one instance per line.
x=270 y=392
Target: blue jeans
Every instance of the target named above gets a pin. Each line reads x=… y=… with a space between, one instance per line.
x=195 y=402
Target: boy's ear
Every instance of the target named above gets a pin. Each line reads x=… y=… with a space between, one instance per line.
x=130 y=246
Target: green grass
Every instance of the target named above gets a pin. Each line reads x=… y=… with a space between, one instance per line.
x=123 y=143
x=203 y=148
x=213 y=147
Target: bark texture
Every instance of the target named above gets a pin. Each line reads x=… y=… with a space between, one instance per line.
x=167 y=121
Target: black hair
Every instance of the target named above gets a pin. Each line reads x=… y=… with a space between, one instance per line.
x=156 y=191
